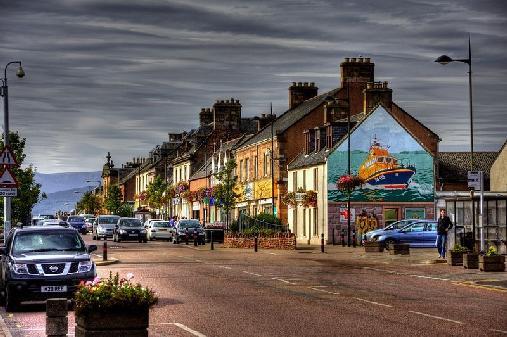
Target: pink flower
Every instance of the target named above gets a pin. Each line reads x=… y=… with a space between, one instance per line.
x=96 y=280
x=130 y=276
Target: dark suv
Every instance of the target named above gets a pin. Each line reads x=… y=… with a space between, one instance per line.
x=42 y=262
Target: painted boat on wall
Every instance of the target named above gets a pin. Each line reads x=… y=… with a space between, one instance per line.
x=383 y=171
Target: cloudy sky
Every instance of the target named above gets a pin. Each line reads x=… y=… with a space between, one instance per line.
x=119 y=75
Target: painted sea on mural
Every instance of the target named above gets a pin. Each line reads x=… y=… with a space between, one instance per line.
x=393 y=166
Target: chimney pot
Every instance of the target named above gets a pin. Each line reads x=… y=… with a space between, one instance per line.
x=352 y=59
x=312 y=84
x=367 y=59
x=369 y=85
x=360 y=60
x=300 y=84
x=347 y=59
x=203 y=110
x=385 y=84
x=293 y=84
x=305 y=84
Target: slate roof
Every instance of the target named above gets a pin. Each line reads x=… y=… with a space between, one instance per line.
x=290 y=117
x=453 y=166
x=311 y=159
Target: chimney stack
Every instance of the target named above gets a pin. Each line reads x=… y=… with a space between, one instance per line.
x=300 y=92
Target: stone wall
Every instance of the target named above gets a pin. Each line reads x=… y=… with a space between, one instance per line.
x=283 y=241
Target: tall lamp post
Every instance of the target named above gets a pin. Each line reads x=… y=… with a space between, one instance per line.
x=5 y=94
x=444 y=59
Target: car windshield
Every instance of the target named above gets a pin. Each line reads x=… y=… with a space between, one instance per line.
x=47 y=241
x=162 y=224
x=130 y=223
x=110 y=220
x=75 y=219
x=189 y=224
x=398 y=224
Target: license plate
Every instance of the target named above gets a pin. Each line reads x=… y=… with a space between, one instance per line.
x=132 y=234
x=53 y=289
x=162 y=229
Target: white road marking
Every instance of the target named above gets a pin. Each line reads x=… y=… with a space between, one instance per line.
x=273 y=254
x=437 y=317
x=249 y=273
x=282 y=280
x=324 y=291
x=225 y=267
x=501 y=331
x=198 y=260
x=372 y=302
x=186 y=328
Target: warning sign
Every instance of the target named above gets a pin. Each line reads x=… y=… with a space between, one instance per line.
x=7 y=157
x=7 y=179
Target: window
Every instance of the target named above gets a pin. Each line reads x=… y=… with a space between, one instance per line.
x=304 y=221
x=295 y=221
x=315 y=216
x=294 y=181
x=315 y=179
x=266 y=163
x=241 y=170
x=256 y=167
x=247 y=169
x=304 y=180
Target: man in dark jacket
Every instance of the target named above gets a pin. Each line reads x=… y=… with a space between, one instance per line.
x=444 y=224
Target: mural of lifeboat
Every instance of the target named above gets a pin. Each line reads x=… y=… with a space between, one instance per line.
x=381 y=170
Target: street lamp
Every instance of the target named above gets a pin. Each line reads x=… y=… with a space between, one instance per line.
x=4 y=93
x=444 y=59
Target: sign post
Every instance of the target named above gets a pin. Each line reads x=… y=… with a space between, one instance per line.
x=476 y=182
x=8 y=185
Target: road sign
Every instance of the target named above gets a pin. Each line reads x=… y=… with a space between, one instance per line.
x=7 y=179
x=474 y=179
x=8 y=192
x=7 y=157
x=344 y=214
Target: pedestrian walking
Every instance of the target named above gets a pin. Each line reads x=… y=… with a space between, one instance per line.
x=444 y=225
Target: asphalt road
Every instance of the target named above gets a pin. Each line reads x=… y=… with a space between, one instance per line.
x=304 y=293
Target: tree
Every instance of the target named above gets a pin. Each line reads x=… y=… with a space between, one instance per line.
x=90 y=203
x=29 y=192
x=155 y=193
x=112 y=201
x=224 y=194
x=125 y=210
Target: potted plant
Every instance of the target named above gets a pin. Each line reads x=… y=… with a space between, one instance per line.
x=113 y=307
x=289 y=199
x=348 y=183
x=310 y=199
x=373 y=247
x=456 y=255
x=491 y=261
x=470 y=260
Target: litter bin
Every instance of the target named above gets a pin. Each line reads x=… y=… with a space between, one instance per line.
x=218 y=235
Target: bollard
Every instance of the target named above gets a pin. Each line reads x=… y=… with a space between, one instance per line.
x=104 y=251
x=354 y=238
x=195 y=237
x=333 y=237
x=211 y=239
x=342 y=237
x=57 y=323
x=322 y=243
x=255 y=244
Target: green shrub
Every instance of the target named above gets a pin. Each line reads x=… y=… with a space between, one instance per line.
x=234 y=226
x=268 y=218
x=491 y=251
x=459 y=249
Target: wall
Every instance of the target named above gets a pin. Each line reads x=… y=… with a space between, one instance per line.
x=498 y=182
x=285 y=242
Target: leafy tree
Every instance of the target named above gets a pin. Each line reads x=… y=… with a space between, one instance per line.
x=224 y=193
x=90 y=203
x=29 y=192
x=125 y=210
x=112 y=201
x=156 y=193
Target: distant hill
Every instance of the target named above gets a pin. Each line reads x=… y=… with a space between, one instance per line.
x=66 y=181
x=61 y=200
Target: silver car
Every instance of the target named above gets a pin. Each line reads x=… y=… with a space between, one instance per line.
x=160 y=229
x=103 y=226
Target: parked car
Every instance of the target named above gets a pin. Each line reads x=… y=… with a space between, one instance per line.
x=78 y=223
x=129 y=229
x=187 y=228
x=374 y=234
x=160 y=229
x=417 y=234
x=53 y=222
x=89 y=224
x=37 y=263
x=103 y=226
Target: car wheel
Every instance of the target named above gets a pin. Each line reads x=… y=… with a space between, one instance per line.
x=389 y=242
x=144 y=241
x=11 y=304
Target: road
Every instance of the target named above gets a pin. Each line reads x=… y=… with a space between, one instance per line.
x=229 y=292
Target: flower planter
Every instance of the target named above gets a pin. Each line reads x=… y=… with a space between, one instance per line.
x=113 y=324
x=470 y=260
x=399 y=249
x=492 y=263
x=373 y=247
x=455 y=258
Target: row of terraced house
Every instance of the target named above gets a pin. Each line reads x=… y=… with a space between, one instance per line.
x=290 y=164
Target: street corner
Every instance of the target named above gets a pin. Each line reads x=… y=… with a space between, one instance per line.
x=488 y=284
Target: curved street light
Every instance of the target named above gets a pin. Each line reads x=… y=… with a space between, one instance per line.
x=4 y=92
x=443 y=60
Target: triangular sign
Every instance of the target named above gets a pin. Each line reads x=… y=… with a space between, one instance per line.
x=7 y=179
x=7 y=157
